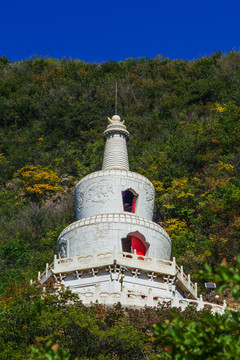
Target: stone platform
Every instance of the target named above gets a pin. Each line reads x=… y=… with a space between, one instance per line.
x=135 y=281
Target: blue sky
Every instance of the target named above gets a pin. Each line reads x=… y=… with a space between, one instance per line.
x=97 y=31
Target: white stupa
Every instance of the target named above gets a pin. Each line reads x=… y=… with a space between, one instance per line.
x=114 y=252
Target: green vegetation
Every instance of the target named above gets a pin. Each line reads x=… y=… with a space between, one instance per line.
x=211 y=336
x=41 y=326
x=31 y=326
x=184 y=120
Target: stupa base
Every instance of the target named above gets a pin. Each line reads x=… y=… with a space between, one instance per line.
x=133 y=280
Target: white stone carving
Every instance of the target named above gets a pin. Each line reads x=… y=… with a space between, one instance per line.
x=135 y=273
x=79 y=200
x=151 y=275
x=78 y=274
x=99 y=193
x=93 y=272
x=63 y=250
x=149 y=199
x=59 y=277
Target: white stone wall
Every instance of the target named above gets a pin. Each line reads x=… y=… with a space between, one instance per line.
x=101 y=193
x=104 y=233
x=106 y=283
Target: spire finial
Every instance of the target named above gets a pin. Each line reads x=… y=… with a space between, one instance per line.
x=115 y=153
x=116 y=99
x=115 y=119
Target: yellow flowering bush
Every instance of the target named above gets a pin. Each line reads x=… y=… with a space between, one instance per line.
x=158 y=186
x=219 y=108
x=175 y=226
x=41 y=140
x=38 y=182
x=227 y=167
x=181 y=188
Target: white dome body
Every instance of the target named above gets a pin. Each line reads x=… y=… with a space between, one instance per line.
x=123 y=198
x=102 y=192
x=105 y=232
x=114 y=252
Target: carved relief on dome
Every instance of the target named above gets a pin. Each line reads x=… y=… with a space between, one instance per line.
x=79 y=200
x=98 y=193
x=89 y=239
x=93 y=193
x=63 y=248
x=149 y=197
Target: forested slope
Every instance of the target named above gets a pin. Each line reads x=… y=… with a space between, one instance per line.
x=184 y=121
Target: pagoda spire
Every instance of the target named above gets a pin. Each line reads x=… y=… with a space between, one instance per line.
x=115 y=153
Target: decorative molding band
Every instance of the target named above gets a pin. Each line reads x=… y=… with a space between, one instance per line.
x=116 y=126
x=116 y=130
x=116 y=218
x=118 y=172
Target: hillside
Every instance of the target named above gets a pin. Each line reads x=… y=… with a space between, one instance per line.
x=184 y=121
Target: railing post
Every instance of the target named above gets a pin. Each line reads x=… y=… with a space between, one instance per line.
x=200 y=303
x=39 y=276
x=124 y=297
x=46 y=269
x=154 y=261
x=175 y=301
x=174 y=264
x=55 y=262
x=150 y=297
x=196 y=289
x=75 y=259
x=224 y=304
x=181 y=272
x=189 y=280
x=134 y=254
x=96 y=293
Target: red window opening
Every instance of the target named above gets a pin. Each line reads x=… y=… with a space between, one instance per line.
x=127 y=244
x=138 y=246
x=129 y=200
x=135 y=242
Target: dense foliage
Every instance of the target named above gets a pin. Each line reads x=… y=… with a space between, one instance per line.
x=30 y=321
x=184 y=120
x=41 y=326
x=211 y=337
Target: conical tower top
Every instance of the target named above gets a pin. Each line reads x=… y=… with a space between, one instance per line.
x=116 y=136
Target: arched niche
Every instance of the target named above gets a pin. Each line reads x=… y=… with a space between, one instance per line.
x=129 y=198
x=135 y=242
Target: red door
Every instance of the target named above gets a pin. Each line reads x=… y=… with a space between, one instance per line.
x=138 y=245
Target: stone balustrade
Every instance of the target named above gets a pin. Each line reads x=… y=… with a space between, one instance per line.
x=102 y=259
x=141 y=299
